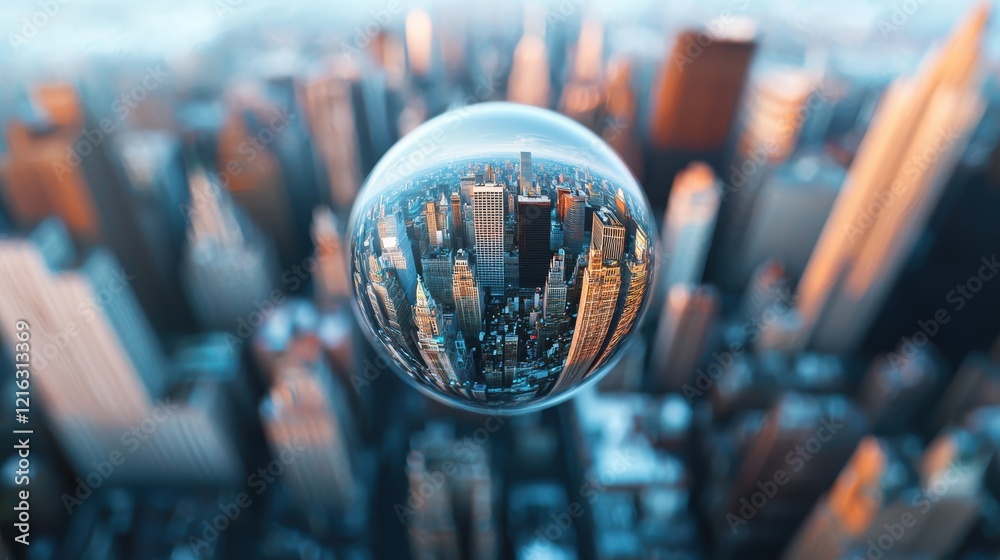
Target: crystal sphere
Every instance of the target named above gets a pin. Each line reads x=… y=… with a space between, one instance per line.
x=501 y=257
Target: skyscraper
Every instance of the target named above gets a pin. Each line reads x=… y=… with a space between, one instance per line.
x=397 y=250
x=302 y=180
x=621 y=210
x=437 y=268
x=431 y=215
x=554 y=318
x=468 y=300
x=457 y=225
x=417 y=230
x=793 y=421
x=511 y=269
x=441 y=223
x=429 y=322
x=562 y=192
x=689 y=224
x=574 y=221
x=897 y=177
x=598 y=299
x=608 y=235
x=470 y=227
x=436 y=343
x=938 y=501
x=465 y=185
x=388 y=299
x=533 y=239
x=419 y=43
x=527 y=175
x=775 y=112
x=434 y=533
x=510 y=354
x=556 y=236
x=115 y=393
x=575 y=283
x=487 y=208
x=635 y=278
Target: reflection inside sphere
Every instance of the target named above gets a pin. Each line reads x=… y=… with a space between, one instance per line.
x=501 y=256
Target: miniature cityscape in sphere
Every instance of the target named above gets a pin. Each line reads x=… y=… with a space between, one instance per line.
x=501 y=256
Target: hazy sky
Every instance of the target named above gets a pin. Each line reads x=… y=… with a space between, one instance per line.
x=158 y=26
x=491 y=130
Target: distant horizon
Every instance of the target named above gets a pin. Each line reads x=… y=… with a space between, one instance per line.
x=647 y=219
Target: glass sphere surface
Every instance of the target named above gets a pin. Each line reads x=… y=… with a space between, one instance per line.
x=501 y=257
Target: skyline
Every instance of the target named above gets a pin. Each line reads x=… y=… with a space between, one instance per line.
x=448 y=138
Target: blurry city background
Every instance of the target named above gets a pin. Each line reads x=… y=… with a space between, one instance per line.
x=818 y=377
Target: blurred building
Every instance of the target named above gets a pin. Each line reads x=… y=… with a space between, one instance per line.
x=228 y=269
x=154 y=181
x=787 y=218
x=689 y=224
x=308 y=425
x=531 y=507
x=331 y=284
x=457 y=520
x=898 y=389
x=252 y=173
x=42 y=169
x=682 y=335
x=617 y=123
x=700 y=87
x=790 y=458
x=583 y=95
x=331 y=111
x=921 y=127
x=529 y=81
x=103 y=378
